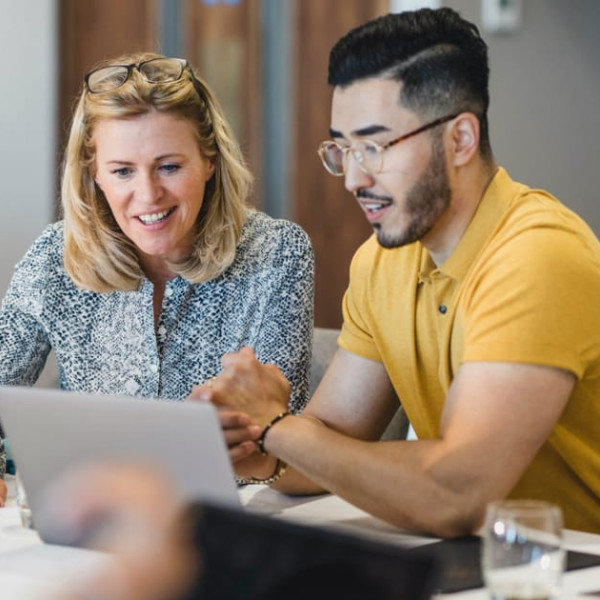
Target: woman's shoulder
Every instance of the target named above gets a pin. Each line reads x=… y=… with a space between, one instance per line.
x=267 y=243
x=262 y=231
x=41 y=268
x=47 y=249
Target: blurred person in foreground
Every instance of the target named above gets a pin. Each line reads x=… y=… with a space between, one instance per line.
x=153 y=548
x=158 y=267
x=474 y=304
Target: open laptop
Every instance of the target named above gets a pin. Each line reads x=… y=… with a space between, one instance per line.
x=51 y=431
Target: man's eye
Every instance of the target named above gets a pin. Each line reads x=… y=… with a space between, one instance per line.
x=370 y=149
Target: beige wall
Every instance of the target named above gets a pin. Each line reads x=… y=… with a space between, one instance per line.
x=27 y=122
x=545 y=98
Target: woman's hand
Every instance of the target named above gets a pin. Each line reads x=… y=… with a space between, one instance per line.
x=240 y=434
x=247 y=386
x=248 y=395
x=3 y=492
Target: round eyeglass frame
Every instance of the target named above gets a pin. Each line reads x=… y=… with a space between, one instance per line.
x=362 y=158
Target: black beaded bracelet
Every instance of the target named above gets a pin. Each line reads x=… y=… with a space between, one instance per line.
x=260 y=442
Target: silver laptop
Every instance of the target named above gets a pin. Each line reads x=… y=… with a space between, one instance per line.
x=51 y=431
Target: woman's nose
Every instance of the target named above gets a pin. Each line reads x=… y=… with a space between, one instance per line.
x=148 y=189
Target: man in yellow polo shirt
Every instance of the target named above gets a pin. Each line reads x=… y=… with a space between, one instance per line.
x=476 y=304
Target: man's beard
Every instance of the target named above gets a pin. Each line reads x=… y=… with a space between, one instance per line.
x=426 y=201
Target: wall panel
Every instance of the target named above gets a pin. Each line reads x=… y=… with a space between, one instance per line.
x=223 y=43
x=92 y=30
x=322 y=206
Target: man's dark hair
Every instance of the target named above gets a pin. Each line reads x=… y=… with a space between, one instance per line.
x=439 y=57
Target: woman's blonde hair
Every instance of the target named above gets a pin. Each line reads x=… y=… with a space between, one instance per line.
x=98 y=256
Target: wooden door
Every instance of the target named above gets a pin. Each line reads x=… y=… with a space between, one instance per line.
x=222 y=42
x=322 y=206
x=93 y=30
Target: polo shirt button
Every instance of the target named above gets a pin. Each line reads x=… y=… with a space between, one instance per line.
x=168 y=292
x=153 y=369
x=443 y=309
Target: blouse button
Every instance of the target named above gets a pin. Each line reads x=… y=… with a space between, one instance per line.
x=443 y=309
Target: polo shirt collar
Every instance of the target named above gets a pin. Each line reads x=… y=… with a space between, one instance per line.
x=487 y=215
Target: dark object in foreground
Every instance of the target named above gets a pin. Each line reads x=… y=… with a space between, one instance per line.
x=254 y=557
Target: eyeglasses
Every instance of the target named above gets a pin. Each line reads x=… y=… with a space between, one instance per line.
x=155 y=70
x=367 y=154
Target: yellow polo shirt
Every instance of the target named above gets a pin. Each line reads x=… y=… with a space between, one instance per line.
x=523 y=286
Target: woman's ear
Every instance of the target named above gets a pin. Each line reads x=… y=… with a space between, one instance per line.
x=465 y=138
x=211 y=170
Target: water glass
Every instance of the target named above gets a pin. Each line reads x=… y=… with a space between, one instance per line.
x=22 y=503
x=522 y=552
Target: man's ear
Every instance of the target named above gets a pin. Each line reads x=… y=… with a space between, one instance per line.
x=465 y=138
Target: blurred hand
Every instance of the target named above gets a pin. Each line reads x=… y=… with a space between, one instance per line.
x=131 y=512
x=3 y=492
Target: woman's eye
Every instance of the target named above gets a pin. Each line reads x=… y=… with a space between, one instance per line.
x=122 y=172
x=169 y=168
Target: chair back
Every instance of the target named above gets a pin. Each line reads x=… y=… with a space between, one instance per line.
x=324 y=347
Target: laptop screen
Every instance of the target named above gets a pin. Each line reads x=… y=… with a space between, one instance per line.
x=52 y=431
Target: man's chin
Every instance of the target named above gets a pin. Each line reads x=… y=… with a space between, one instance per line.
x=386 y=240
x=414 y=233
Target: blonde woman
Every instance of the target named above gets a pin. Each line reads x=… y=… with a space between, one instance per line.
x=158 y=267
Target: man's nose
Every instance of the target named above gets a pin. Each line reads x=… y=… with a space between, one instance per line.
x=354 y=177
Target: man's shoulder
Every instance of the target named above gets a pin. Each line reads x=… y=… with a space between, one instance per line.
x=535 y=208
x=539 y=222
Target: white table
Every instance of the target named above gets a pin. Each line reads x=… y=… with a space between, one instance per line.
x=32 y=570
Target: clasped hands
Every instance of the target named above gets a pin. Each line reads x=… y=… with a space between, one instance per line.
x=248 y=395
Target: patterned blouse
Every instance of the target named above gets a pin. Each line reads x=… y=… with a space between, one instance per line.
x=107 y=342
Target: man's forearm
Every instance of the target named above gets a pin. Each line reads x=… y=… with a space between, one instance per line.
x=391 y=480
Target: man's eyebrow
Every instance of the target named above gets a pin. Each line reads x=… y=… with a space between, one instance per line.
x=362 y=132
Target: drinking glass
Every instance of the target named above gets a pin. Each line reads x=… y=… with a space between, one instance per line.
x=522 y=553
x=22 y=503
